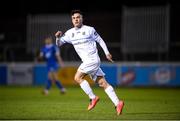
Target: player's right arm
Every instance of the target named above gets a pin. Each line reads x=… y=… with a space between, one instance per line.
x=61 y=39
x=39 y=56
x=58 y=34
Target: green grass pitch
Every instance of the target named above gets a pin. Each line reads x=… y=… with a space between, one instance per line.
x=140 y=104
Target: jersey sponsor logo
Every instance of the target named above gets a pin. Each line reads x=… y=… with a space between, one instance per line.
x=81 y=39
x=48 y=54
x=77 y=43
x=72 y=35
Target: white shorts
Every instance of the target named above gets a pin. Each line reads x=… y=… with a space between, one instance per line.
x=93 y=69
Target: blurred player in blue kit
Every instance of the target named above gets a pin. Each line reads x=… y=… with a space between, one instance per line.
x=51 y=54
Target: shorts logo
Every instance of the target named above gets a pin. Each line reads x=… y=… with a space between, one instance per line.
x=83 y=33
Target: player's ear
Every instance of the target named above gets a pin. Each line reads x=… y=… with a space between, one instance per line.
x=82 y=17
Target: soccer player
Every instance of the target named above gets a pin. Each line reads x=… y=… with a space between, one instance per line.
x=51 y=54
x=84 y=39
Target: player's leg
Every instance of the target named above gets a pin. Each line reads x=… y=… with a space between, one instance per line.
x=58 y=83
x=111 y=93
x=79 y=78
x=108 y=89
x=48 y=83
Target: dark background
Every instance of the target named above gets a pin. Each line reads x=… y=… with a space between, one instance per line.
x=14 y=15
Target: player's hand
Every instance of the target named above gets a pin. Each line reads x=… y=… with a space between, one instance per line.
x=109 y=57
x=62 y=65
x=58 y=34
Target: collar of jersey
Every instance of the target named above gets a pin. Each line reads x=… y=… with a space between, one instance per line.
x=49 y=46
x=76 y=28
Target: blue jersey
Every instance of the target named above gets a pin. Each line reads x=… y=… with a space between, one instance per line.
x=49 y=52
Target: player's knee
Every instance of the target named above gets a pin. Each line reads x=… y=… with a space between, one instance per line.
x=77 y=79
x=50 y=78
x=55 y=77
x=100 y=84
x=103 y=84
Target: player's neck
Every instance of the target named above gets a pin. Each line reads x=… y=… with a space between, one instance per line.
x=49 y=45
x=78 y=27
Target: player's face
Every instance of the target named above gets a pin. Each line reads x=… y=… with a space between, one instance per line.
x=77 y=20
x=48 y=41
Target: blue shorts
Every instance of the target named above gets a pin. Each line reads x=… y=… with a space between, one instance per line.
x=52 y=68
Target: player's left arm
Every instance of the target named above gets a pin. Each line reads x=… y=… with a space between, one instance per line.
x=105 y=49
x=103 y=45
x=60 y=61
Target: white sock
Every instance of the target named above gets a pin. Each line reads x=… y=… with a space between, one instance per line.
x=87 y=89
x=112 y=95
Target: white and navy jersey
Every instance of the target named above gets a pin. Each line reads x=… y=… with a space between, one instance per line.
x=84 y=41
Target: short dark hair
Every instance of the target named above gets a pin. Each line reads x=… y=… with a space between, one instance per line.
x=76 y=11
